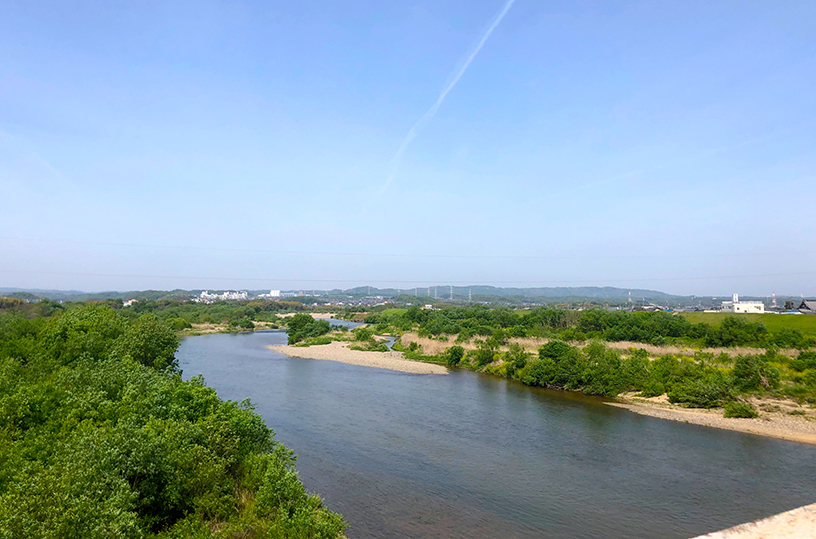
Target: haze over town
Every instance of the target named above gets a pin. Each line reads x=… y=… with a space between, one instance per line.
x=233 y=145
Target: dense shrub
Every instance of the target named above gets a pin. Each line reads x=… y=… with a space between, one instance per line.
x=363 y=334
x=484 y=354
x=652 y=388
x=789 y=338
x=656 y=328
x=178 y=323
x=302 y=326
x=739 y=409
x=149 y=342
x=712 y=389
x=735 y=331
x=804 y=361
x=754 y=372
x=100 y=437
x=453 y=355
x=516 y=356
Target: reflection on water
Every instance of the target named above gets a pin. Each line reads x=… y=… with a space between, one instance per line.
x=468 y=455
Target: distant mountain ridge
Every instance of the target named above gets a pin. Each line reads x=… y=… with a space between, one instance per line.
x=481 y=293
x=589 y=292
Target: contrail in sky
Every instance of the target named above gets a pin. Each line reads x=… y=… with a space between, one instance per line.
x=428 y=116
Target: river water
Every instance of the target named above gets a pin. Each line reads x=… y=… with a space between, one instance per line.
x=466 y=455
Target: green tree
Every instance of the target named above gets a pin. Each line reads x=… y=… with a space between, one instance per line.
x=453 y=355
x=150 y=342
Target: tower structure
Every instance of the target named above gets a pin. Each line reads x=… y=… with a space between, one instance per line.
x=773 y=300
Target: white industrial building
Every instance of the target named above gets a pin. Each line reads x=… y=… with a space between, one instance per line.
x=737 y=306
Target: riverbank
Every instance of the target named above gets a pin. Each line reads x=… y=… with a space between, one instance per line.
x=339 y=351
x=316 y=316
x=209 y=329
x=796 y=523
x=532 y=344
x=779 y=418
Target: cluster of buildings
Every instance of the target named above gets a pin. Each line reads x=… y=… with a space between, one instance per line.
x=206 y=297
x=736 y=306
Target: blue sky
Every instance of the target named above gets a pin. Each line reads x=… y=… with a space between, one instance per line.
x=230 y=144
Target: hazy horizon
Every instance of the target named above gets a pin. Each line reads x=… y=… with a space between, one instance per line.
x=327 y=145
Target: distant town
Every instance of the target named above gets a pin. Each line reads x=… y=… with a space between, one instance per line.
x=734 y=305
x=572 y=298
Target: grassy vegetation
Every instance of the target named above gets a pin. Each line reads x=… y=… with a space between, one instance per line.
x=703 y=381
x=100 y=437
x=657 y=328
x=773 y=322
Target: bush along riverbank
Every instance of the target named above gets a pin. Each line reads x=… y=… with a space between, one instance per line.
x=654 y=328
x=100 y=437
x=703 y=381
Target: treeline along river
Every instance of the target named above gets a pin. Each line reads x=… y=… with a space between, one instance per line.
x=467 y=455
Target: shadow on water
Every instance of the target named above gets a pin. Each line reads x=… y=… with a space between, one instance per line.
x=469 y=455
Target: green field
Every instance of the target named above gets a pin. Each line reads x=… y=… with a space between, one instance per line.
x=774 y=322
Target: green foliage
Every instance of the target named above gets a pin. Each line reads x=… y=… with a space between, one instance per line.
x=755 y=372
x=100 y=437
x=516 y=357
x=484 y=354
x=554 y=350
x=242 y=323
x=804 y=361
x=739 y=409
x=789 y=338
x=656 y=328
x=707 y=388
x=302 y=326
x=88 y=329
x=651 y=327
x=559 y=366
x=149 y=342
x=363 y=334
x=734 y=331
x=453 y=355
x=178 y=323
x=652 y=388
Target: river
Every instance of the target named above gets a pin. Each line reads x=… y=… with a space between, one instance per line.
x=466 y=455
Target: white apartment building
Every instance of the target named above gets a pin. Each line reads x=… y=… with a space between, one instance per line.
x=737 y=306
